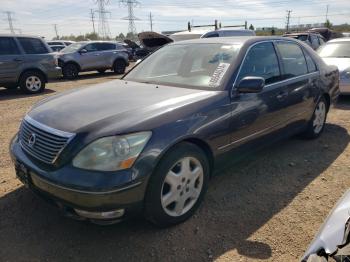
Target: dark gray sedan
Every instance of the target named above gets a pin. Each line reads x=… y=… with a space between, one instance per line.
x=151 y=141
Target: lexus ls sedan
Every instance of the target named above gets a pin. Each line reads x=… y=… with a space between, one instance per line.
x=150 y=141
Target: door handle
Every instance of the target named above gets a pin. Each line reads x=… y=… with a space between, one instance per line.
x=282 y=95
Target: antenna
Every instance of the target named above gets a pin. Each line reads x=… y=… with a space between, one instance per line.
x=131 y=17
x=103 y=27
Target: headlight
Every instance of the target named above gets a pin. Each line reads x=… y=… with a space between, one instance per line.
x=112 y=153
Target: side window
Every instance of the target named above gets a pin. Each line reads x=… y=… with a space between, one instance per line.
x=321 y=41
x=209 y=35
x=310 y=63
x=8 y=46
x=293 y=59
x=261 y=61
x=105 y=46
x=314 y=41
x=91 y=47
x=32 y=46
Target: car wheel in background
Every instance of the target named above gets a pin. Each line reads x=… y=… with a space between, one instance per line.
x=101 y=71
x=178 y=185
x=70 y=71
x=318 y=120
x=32 y=82
x=119 y=66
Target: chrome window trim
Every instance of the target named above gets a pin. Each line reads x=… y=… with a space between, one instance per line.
x=279 y=82
x=47 y=128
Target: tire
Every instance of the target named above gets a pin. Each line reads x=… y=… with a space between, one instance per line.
x=70 y=71
x=173 y=195
x=119 y=66
x=32 y=82
x=316 y=125
x=101 y=71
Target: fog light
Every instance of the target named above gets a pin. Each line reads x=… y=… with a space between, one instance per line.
x=101 y=215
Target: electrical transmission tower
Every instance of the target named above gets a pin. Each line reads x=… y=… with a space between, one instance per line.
x=288 y=20
x=10 y=20
x=103 y=27
x=131 y=17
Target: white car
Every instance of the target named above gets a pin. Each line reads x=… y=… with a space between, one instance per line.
x=337 y=52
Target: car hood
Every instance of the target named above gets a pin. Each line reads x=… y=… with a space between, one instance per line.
x=123 y=104
x=341 y=63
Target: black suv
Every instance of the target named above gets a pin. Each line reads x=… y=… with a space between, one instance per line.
x=25 y=61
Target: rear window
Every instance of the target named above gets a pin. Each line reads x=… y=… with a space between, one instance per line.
x=32 y=46
x=293 y=59
x=106 y=46
x=8 y=46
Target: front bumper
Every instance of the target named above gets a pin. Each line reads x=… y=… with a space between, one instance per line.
x=127 y=196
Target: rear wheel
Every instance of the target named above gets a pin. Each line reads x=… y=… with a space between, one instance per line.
x=70 y=71
x=318 y=120
x=119 y=66
x=178 y=186
x=32 y=82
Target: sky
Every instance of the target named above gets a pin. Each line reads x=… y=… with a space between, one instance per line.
x=38 y=17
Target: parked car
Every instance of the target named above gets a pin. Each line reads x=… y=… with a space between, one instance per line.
x=314 y=40
x=57 y=48
x=227 y=32
x=60 y=42
x=151 y=141
x=92 y=55
x=25 y=61
x=333 y=239
x=326 y=33
x=337 y=52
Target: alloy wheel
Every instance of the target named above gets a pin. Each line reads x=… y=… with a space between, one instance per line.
x=320 y=116
x=33 y=83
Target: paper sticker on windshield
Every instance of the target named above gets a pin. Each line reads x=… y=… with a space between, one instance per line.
x=219 y=73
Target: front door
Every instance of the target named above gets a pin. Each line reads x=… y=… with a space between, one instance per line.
x=91 y=60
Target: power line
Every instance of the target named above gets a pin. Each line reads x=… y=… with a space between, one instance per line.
x=92 y=13
x=56 y=31
x=131 y=17
x=103 y=26
x=10 y=20
x=151 y=21
x=288 y=20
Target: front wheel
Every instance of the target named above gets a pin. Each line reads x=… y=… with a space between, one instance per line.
x=178 y=185
x=70 y=71
x=318 y=120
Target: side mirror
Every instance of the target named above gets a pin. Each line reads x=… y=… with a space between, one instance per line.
x=251 y=84
x=83 y=51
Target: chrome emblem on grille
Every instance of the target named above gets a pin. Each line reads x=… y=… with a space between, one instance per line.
x=32 y=140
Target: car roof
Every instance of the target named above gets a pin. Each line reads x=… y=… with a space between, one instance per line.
x=234 y=40
x=342 y=39
x=20 y=35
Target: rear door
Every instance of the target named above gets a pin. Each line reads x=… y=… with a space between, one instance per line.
x=298 y=81
x=10 y=60
x=108 y=53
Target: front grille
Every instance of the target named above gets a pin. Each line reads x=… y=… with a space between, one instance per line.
x=42 y=142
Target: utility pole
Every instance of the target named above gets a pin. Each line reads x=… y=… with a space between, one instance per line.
x=92 y=13
x=288 y=20
x=10 y=21
x=103 y=26
x=56 y=32
x=151 y=21
x=327 y=12
x=131 y=17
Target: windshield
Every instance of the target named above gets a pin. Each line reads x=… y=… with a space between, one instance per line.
x=187 y=65
x=72 y=48
x=340 y=49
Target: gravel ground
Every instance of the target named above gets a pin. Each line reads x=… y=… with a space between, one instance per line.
x=266 y=208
